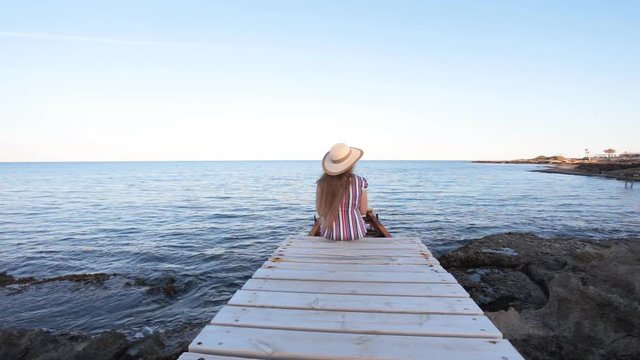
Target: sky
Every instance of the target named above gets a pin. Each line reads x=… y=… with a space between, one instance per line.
x=285 y=80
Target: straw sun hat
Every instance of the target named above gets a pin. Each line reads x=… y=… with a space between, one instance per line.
x=340 y=159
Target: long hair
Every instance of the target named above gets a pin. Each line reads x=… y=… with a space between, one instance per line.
x=329 y=195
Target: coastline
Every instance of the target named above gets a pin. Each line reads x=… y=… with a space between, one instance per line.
x=627 y=170
x=556 y=298
x=108 y=345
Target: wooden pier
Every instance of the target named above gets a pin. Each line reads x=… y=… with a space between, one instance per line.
x=374 y=298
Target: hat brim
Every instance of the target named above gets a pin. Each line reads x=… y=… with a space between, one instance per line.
x=331 y=168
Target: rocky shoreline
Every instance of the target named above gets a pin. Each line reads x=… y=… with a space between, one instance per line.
x=109 y=345
x=615 y=168
x=560 y=298
x=624 y=172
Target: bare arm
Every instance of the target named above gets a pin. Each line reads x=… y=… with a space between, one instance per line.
x=364 y=203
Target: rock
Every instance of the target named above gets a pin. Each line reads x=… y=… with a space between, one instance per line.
x=7 y=279
x=495 y=289
x=148 y=348
x=97 y=278
x=166 y=287
x=38 y=344
x=110 y=345
x=557 y=298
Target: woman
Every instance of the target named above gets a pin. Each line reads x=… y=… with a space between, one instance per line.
x=341 y=197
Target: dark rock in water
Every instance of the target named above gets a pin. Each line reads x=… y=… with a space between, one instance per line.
x=110 y=345
x=557 y=298
x=97 y=278
x=166 y=286
x=7 y=279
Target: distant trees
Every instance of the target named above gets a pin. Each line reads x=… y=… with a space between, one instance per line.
x=610 y=152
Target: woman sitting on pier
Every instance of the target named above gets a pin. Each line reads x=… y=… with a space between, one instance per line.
x=341 y=197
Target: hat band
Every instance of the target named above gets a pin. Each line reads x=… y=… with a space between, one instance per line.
x=342 y=159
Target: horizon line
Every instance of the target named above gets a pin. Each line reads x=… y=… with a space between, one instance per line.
x=236 y=160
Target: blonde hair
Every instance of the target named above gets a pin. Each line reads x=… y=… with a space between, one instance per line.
x=330 y=194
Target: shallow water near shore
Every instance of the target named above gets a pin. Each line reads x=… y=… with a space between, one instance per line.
x=205 y=227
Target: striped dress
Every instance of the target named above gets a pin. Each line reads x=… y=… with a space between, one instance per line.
x=349 y=224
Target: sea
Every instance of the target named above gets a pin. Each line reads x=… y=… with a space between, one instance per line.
x=204 y=227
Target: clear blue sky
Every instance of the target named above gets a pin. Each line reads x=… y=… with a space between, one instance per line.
x=212 y=80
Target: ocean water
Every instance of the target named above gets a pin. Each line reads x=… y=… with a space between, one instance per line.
x=210 y=225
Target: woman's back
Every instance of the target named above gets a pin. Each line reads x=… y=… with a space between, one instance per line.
x=348 y=223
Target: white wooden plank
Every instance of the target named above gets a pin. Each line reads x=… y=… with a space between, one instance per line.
x=350 y=245
x=397 y=238
x=435 y=274
x=357 y=288
x=321 y=240
x=352 y=252
x=346 y=259
x=392 y=240
x=346 y=267
x=306 y=345
x=197 y=356
x=359 y=322
x=364 y=303
x=370 y=241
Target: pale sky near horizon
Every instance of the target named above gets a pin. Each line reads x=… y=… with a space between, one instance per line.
x=257 y=80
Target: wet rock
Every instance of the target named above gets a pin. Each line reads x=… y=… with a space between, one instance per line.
x=151 y=347
x=6 y=279
x=106 y=346
x=110 y=345
x=97 y=278
x=587 y=301
x=495 y=289
x=166 y=286
x=38 y=344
